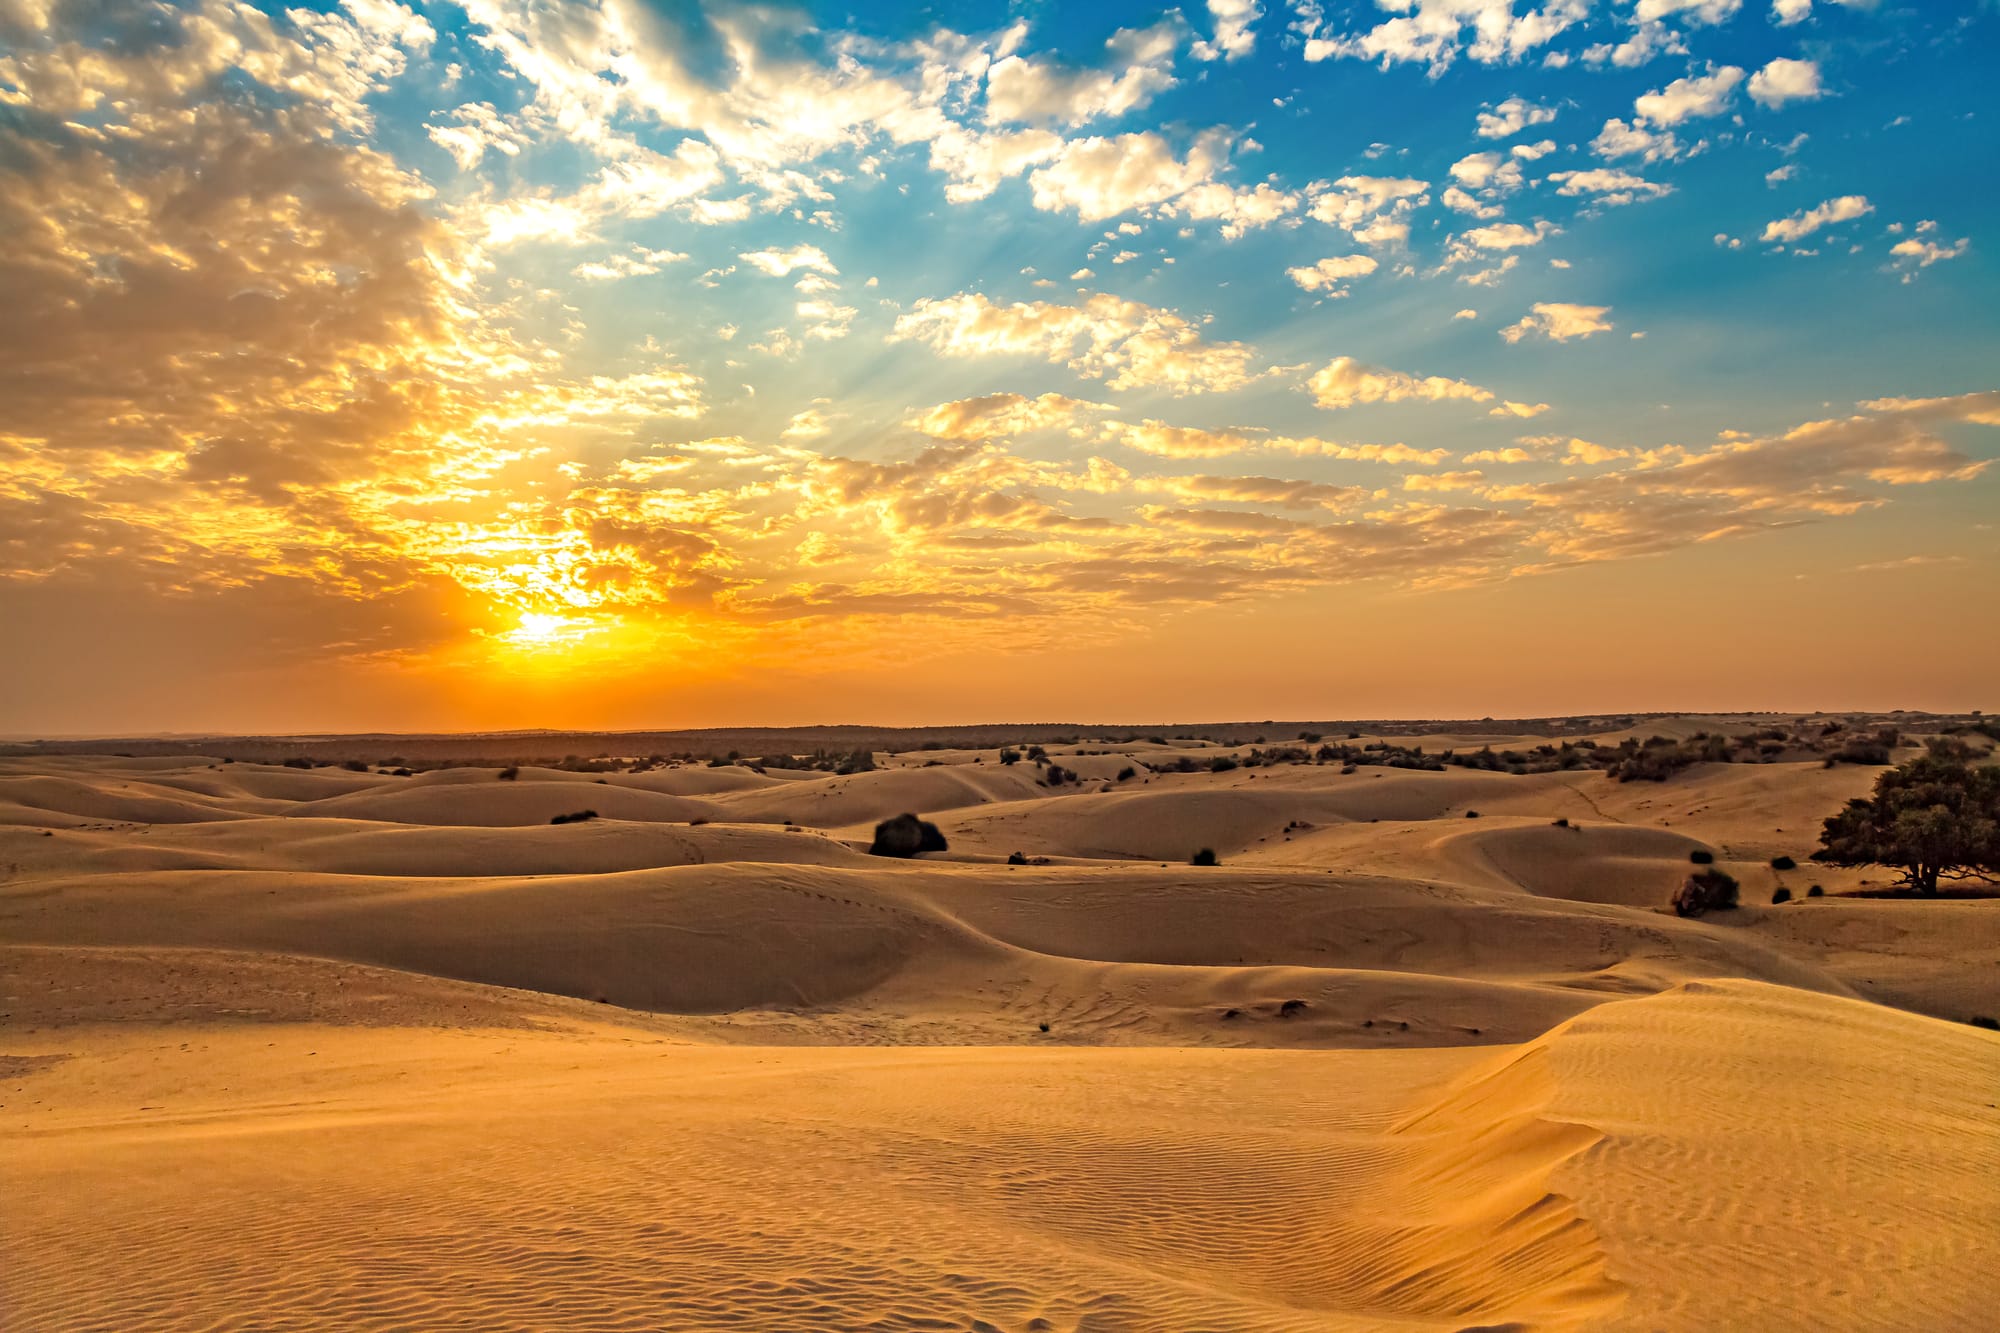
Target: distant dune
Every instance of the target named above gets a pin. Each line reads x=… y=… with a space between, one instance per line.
x=318 y=1048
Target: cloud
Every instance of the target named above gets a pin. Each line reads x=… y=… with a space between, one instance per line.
x=1233 y=38
x=1807 y=221
x=1001 y=415
x=1617 y=139
x=1098 y=178
x=1784 y=81
x=1487 y=171
x=639 y=263
x=1510 y=408
x=1126 y=343
x=1696 y=96
x=1345 y=382
x=1164 y=441
x=1370 y=208
x=1138 y=67
x=1499 y=236
x=480 y=130
x=1609 y=186
x=1559 y=322
x=1917 y=253
x=783 y=263
x=1436 y=32
x=1511 y=117
x=1327 y=275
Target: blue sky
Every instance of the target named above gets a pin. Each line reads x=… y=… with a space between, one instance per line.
x=513 y=335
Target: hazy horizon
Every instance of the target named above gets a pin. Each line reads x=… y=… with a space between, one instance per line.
x=501 y=364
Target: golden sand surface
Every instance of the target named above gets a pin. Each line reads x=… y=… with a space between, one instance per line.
x=286 y=1049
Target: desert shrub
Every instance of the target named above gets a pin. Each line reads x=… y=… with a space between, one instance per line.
x=1205 y=857
x=1701 y=858
x=905 y=836
x=1707 y=890
x=578 y=817
x=1982 y=1021
x=1472 y=814
x=298 y=761
x=1781 y=896
x=1783 y=863
x=1562 y=821
x=861 y=761
x=1815 y=892
x=354 y=765
x=1127 y=773
x=698 y=819
x=1222 y=763
x=1016 y=859
x=1010 y=756
x=1057 y=775
x=511 y=773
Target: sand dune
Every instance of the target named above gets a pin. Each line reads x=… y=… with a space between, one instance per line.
x=690 y=1066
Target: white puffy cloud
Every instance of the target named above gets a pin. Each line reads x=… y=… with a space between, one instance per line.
x=1785 y=80
x=1139 y=66
x=639 y=263
x=1329 y=274
x=1459 y=201
x=1559 y=322
x=1371 y=209
x=480 y=129
x=1696 y=96
x=1487 y=171
x=1238 y=210
x=1126 y=343
x=1511 y=117
x=1099 y=178
x=1618 y=139
x=1809 y=220
x=1346 y=382
x=1436 y=32
x=1918 y=253
x=783 y=263
x=1499 y=236
x=1787 y=12
x=1608 y=185
x=1233 y=38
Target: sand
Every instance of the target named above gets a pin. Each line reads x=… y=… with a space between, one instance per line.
x=286 y=1049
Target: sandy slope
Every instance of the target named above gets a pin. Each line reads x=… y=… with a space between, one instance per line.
x=285 y=1048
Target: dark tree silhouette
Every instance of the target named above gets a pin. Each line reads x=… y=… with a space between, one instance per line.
x=1933 y=818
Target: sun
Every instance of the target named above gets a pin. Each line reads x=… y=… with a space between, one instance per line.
x=540 y=630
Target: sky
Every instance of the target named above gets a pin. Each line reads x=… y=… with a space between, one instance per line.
x=509 y=363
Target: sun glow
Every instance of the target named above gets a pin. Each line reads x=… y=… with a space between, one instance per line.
x=539 y=630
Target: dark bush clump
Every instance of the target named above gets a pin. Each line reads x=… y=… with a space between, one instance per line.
x=1127 y=773
x=1702 y=858
x=578 y=817
x=1783 y=863
x=1982 y=1021
x=1815 y=892
x=1016 y=859
x=906 y=836
x=1562 y=821
x=354 y=766
x=511 y=773
x=1222 y=763
x=1204 y=857
x=1010 y=756
x=1705 y=891
x=1781 y=896
x=1472 y=814
x=298 y=761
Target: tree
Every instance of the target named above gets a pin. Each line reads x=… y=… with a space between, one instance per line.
x=1935 y=817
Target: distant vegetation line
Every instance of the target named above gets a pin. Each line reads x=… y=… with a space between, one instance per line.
x=432 y=749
